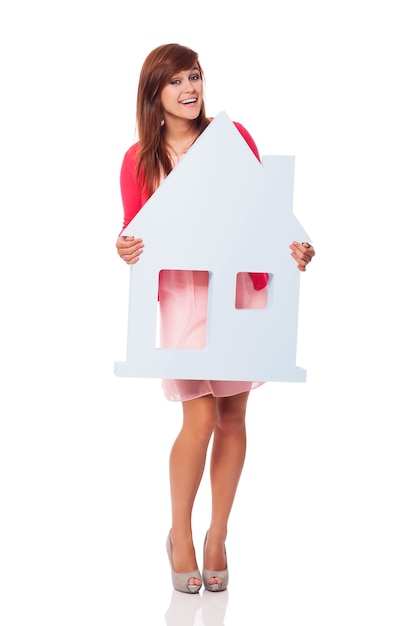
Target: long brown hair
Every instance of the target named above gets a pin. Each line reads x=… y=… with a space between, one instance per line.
x=158 y=68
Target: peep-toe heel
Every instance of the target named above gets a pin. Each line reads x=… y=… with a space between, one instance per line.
x=180 y=581
x=209 y=573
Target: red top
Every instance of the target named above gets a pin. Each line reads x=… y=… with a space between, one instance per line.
x=134 y=195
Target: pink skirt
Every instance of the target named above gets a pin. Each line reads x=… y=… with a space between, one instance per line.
x=183 y=316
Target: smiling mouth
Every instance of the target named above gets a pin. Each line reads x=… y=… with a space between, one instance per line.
x=189 y=101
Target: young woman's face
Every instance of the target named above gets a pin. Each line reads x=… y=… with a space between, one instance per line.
x=182 y=97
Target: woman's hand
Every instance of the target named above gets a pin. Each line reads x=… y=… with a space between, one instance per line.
x=302 y=253
x=129 y=249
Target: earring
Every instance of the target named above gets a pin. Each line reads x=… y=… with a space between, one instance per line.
x=162 y=122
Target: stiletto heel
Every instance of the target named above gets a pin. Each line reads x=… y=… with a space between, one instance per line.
x=180 y=581
x=209 y=573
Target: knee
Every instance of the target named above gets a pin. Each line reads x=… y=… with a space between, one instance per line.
x=198 y=420
x=230 y=422
x=204 y=433
x=199 y=432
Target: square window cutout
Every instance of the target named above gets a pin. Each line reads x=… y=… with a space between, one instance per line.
x=247 y=296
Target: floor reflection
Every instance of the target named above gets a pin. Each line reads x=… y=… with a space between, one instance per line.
x=184 y=608
x=214 y=607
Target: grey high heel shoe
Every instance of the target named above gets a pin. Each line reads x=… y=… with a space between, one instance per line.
x=180 y=581
x=209 y=573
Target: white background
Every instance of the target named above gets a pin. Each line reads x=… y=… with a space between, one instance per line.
x=323 y=529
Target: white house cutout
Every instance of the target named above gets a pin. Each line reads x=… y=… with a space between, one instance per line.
x=222 y=211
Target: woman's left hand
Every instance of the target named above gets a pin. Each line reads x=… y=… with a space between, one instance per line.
x=302 y=253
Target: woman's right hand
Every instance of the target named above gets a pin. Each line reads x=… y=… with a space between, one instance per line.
x=129 y=249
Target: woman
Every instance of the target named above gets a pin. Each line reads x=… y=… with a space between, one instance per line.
x=170 y=116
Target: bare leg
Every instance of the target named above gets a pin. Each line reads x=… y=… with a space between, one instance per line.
x=187 y=461
x=227 y=459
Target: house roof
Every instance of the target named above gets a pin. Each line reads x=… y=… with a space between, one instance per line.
x=226 y=198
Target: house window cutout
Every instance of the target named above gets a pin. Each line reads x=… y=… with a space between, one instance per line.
x=182 y=309
x=246 y=296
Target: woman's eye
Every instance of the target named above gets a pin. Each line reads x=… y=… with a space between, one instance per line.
x=177 y=81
